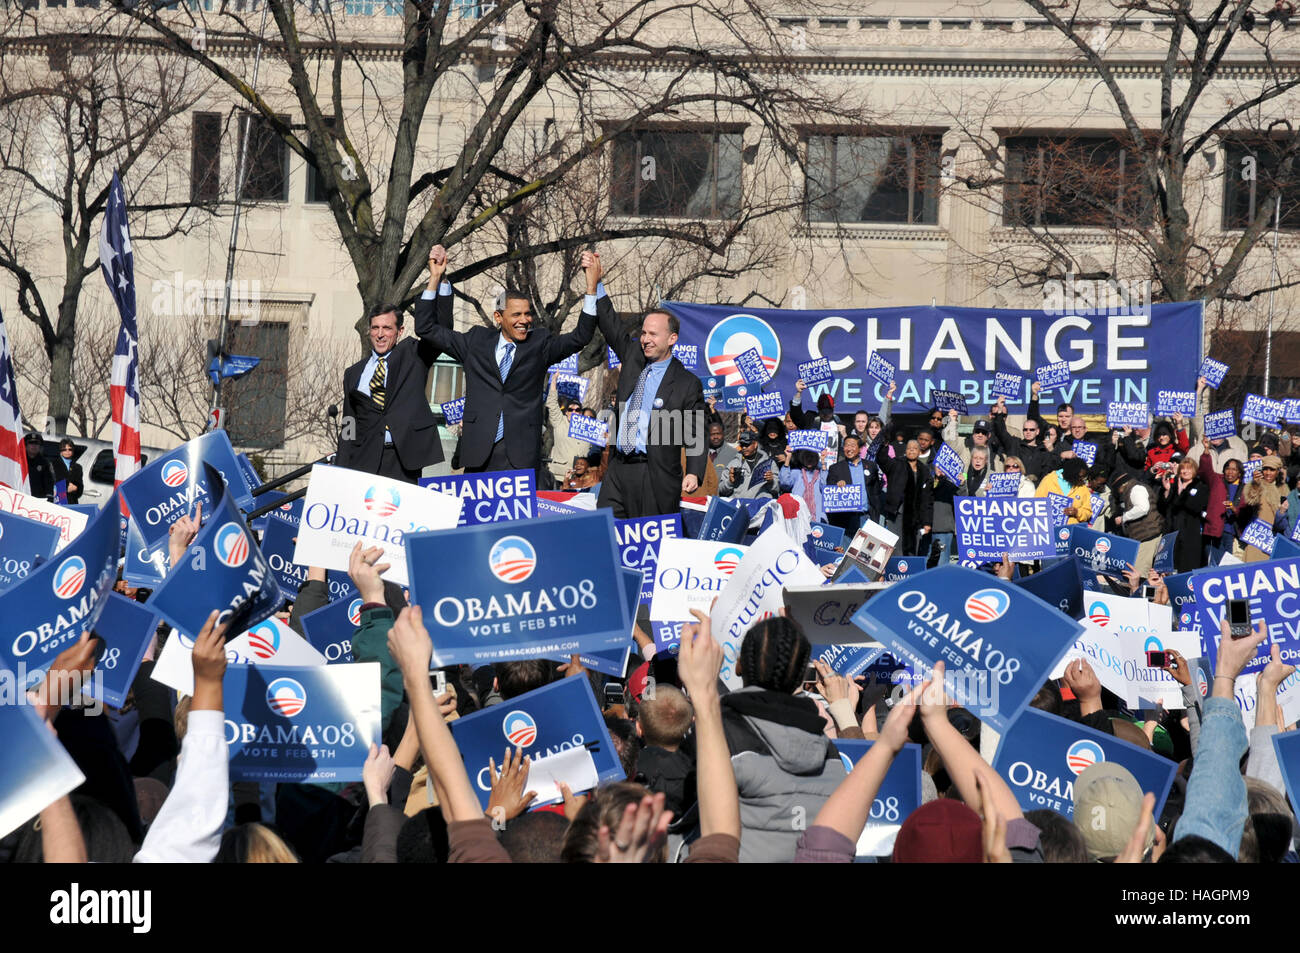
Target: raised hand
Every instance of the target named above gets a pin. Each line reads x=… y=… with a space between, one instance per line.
x=209 y=661
x=377 y=774
x=437 y=264
x=508 y=799
x=182 y=533
x=593 y=269
x=408 y=642
x=365 y=574
x=640 y=834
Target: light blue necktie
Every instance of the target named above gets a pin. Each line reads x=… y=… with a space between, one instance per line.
x=504 y=368
x=632 y=413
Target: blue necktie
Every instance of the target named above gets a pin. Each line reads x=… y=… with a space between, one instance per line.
x=632 y=413
x=504 y=368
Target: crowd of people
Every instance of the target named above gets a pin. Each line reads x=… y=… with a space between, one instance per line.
x=709 y=775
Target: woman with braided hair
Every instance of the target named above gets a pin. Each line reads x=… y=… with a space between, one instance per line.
x=784 y=763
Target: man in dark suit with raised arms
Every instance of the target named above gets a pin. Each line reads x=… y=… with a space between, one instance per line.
x=388 y=427
x=661 y=412
x=505 y=376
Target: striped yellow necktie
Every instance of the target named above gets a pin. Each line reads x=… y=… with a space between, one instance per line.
x=377 y=391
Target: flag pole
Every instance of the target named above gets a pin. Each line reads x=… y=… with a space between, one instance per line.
x=1273 y=277
x=217 y=422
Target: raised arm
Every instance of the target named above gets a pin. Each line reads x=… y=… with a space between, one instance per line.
x=433 y=318
x=597 y=302
x=699 y=662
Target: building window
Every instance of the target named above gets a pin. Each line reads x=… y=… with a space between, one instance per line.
x=1074 y=181
x=255 y=403
x=677 y=173
x=205 y=158
x=880 y=179
x=316 y=191
x=1250 y=177
x=268 y=163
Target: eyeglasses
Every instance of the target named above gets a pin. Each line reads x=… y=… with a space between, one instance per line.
x=1013 y=466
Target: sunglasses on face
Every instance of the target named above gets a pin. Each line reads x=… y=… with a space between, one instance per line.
x=1013 y=466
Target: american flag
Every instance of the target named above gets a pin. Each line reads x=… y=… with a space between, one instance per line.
x=117 y=264
x=13 y=454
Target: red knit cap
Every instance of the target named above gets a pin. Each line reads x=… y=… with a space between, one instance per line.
x=941 y=832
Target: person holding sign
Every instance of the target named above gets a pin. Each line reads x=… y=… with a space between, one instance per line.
x=908 y=505
x=1260 y=500
x=505 y=368
x=661 y=412
x=803 y=478
x=1166 y=440
x=1070 y=480
x=825 y=415
x=1183 y=501
x=979 y=438
x=1220 y=449
x=855 y=471
x=563 y=447
x=388 y=427
x=752 y=475
x=1029 y=447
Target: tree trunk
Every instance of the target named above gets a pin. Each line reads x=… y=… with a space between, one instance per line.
x=59 y=403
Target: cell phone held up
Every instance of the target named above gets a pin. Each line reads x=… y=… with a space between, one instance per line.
x=1239 y=618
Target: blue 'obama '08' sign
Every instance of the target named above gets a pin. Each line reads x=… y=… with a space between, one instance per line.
x=223 y=569
x=954 y=615
x=899 y=794
x=61 y=599
x=173 y=484
x=1106 y=553
x=517 y=591
x=296 y=723
x=23 y=542
x=543 y=722
x=1042 y=755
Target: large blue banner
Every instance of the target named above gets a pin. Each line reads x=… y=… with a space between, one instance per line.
x=223 y=569
x=1041 y=755
x=23 y=543
x=1286 y=745
x=127 y=629
x=62 y=598
x=520 y=590
x=171 y=485
x=300 y=724
x=948 y=614
x=545 y=721
x=1112 y=357
x=489 y=497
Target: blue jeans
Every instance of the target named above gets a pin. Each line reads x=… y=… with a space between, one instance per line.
x=1215 y=807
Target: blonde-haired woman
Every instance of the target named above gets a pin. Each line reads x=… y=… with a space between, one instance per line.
x=254 y=844
x=1027 y=483
x=1260 y=500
